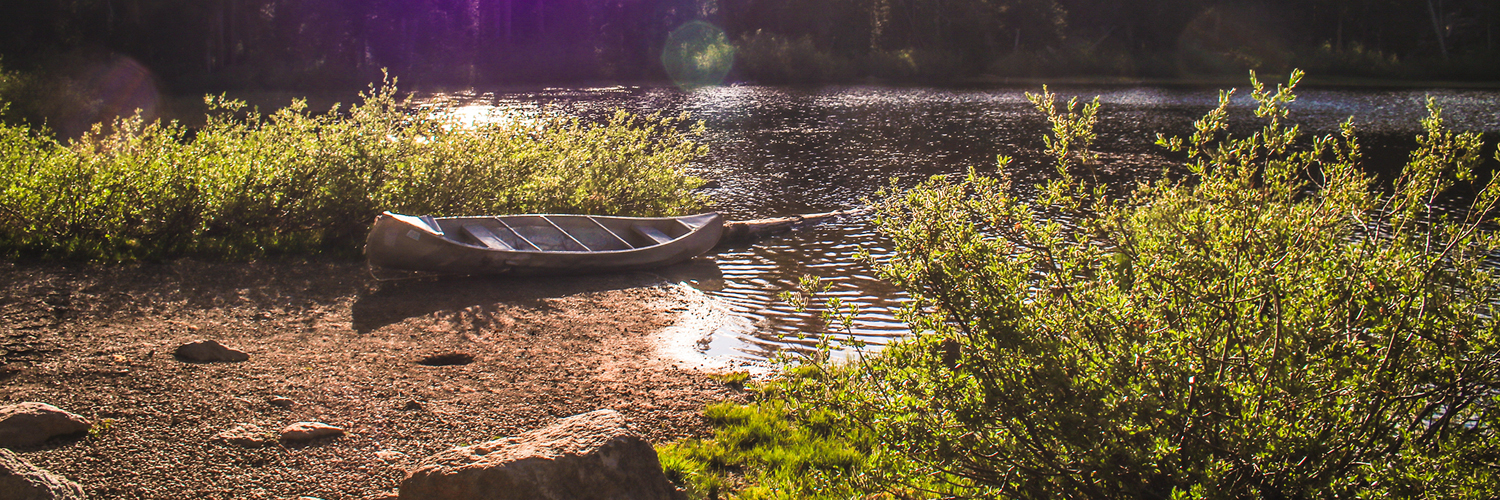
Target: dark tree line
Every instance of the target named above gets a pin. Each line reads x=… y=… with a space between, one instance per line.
x=193 y=44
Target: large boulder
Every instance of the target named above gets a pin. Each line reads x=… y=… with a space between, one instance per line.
x=31 y=424
x=19 y=480
x=589 y=456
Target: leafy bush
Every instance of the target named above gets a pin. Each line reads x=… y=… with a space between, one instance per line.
x=1271 y=324
x=293 y=181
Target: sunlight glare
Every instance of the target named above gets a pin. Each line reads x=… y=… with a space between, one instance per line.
x=697 y=54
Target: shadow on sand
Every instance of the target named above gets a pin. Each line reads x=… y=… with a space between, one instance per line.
x=395 y=301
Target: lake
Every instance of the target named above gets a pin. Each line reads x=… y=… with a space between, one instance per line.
x=777 y=151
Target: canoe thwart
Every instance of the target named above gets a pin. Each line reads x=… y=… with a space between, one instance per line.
x=651 y=232
x=567 y=234
x=611 y=232
x=483 y=235
x=518 y=235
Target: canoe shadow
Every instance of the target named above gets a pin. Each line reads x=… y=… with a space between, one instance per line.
x=395 y=301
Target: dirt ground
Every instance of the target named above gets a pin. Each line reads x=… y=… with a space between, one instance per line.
x=98 y=341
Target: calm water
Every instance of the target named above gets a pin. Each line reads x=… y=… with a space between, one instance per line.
x=779 y=151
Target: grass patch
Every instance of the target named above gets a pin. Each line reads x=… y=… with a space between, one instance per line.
x=734 y=380
x=767 y=450
x=781 y=448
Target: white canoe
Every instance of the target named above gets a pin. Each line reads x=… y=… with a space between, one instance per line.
x=538 y=244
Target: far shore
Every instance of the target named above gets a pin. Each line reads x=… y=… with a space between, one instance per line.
x=1228 y=81
x=187 y=107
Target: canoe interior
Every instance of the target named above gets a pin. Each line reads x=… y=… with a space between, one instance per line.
x=563 y=233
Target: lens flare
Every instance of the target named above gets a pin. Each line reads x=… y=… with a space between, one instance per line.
x=697 y=54
x=116 y=86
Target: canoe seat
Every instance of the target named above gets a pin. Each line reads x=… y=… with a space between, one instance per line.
x=486 y=237
x=651 y=232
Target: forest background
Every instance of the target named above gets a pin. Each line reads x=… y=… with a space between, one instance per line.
x=188 y=46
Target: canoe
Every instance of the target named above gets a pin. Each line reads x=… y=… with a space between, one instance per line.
x=538 y=244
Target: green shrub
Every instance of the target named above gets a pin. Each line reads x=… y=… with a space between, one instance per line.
x=297 y=182
x=1272 y=324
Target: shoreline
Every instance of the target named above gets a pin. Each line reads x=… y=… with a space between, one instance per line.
x=701 y=318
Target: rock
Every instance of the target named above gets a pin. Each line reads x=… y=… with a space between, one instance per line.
x=19 y=480
x=588 y=456
x=280 y=402
x=244 y=436
x=31 y=424
x=207 y=351
x=447 y=359
x=307 y=431
x=390 y=456
x=412 y=405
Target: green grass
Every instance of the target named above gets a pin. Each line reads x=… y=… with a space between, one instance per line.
x=297 y=182
x=779 y=448
x=734 y=380
x=767 y=450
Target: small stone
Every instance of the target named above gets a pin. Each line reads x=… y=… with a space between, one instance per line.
x=412 y=405
x=208 y=351
x=31 y=424
x=21 y=480
x=244 y=436
x=447 y=359
x=280 y=401
x=390 y=456
x=307 y=431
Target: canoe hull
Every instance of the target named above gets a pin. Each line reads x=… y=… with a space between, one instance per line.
x=538 y=244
